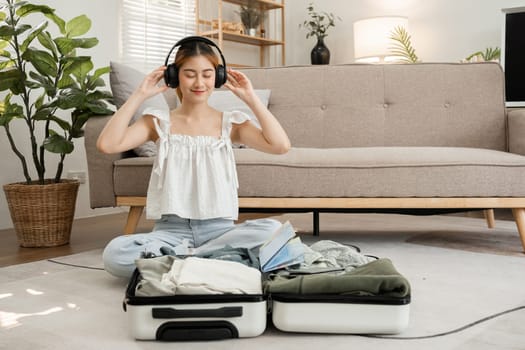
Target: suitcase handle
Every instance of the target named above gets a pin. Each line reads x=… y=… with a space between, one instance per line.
x=222 y=312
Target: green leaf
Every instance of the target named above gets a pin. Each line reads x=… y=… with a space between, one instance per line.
x=95 y=80
x=99 y=95
x=43 y=113
x=2 y=16
x=12 y=80
x=60 y=23
x=82 y=70
x=32 y=35
x=73 y=63
x=4 y=53
x=66 y=82
x=98 y=108
x=21 y=29
x=93 y=84
x=11 y=111
x=81 y=117
x=402 y=45
x=71 y=98
x=58 y=144
x=30 y=8
x=40 y=101
x=43 y=62
x=7 y=64
x=78 y=26
x=62 y=123
x=43 y=82
x=66 y=45
x=6 y=32
x=46 y=41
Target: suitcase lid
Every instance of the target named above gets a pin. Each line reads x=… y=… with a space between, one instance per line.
x=340 y=299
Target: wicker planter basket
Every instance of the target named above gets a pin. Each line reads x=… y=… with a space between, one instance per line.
x=42 y=214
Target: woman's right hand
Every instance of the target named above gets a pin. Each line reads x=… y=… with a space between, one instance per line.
x=149 y=86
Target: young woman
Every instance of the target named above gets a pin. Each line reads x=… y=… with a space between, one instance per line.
x=192 y=193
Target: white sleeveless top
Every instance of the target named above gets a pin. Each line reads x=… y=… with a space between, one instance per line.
x=193 y=177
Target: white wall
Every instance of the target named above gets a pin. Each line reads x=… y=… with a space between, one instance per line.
x=442 y=30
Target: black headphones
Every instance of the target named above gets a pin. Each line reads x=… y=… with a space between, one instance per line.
x=171 y=74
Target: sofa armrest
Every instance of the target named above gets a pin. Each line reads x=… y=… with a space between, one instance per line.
x=516 y=125
x=100 y=166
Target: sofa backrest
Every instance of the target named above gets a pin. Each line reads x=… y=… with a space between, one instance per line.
x=361 y=105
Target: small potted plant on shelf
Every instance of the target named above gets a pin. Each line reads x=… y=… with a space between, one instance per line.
x=43 y=77
x=317 y=26
x=251 y=16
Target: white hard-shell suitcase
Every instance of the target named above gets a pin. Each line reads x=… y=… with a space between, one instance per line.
x=343 y=314
x=194 y=317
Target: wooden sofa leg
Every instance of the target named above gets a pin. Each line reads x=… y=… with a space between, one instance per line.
x=489 y=216
x=135 y=212
x=519 y=216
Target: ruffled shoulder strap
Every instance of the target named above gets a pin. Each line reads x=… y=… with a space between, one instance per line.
x=233 y=117
x=161 y=121
x=159 y=113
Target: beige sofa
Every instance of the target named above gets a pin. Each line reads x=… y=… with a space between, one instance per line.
x=416 y=138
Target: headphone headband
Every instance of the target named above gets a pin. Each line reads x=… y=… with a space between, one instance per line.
x=195 y=38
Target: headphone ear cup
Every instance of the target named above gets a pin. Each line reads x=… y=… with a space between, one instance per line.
x=220 y=76
x=171 y=76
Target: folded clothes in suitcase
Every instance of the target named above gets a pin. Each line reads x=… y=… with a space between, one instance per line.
x=193 y=317
x=370 y=299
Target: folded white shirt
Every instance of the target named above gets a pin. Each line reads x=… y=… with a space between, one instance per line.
x=211 y=276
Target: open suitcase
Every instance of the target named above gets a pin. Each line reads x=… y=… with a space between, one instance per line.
x=373 y=298
x=343 y=314
x=194 y=317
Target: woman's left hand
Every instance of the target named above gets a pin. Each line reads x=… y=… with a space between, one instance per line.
x=239 y=84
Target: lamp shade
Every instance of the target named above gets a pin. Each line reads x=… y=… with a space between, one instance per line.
x=372 y=41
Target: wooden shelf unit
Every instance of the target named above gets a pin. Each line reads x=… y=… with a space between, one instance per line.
x=221 y=34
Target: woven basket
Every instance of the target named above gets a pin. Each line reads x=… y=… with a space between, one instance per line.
x=42 y=214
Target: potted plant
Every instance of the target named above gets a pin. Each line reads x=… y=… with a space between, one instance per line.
x=41 y=78
x=317 y=26
x=251 y=16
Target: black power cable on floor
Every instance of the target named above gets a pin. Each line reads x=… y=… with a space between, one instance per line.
x=457 y=330
x=73 y=265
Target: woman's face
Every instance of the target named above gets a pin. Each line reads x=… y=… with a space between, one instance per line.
x=196 y=79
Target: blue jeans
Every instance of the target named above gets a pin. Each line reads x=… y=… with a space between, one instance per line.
x=185 y=236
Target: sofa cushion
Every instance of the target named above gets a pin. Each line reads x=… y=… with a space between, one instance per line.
x=381 y=172
x=406 y=105
x=360 y=172
x=131 y=176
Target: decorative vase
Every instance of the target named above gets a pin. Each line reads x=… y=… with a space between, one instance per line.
x=42 y=214
x=252 y=32
x=320 y=53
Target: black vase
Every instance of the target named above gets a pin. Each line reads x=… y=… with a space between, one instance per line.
x=320 y=53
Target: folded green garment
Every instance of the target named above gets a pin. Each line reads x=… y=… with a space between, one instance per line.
x=377 y=278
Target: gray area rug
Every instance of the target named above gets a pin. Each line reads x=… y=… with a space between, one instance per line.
x=45 y=305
